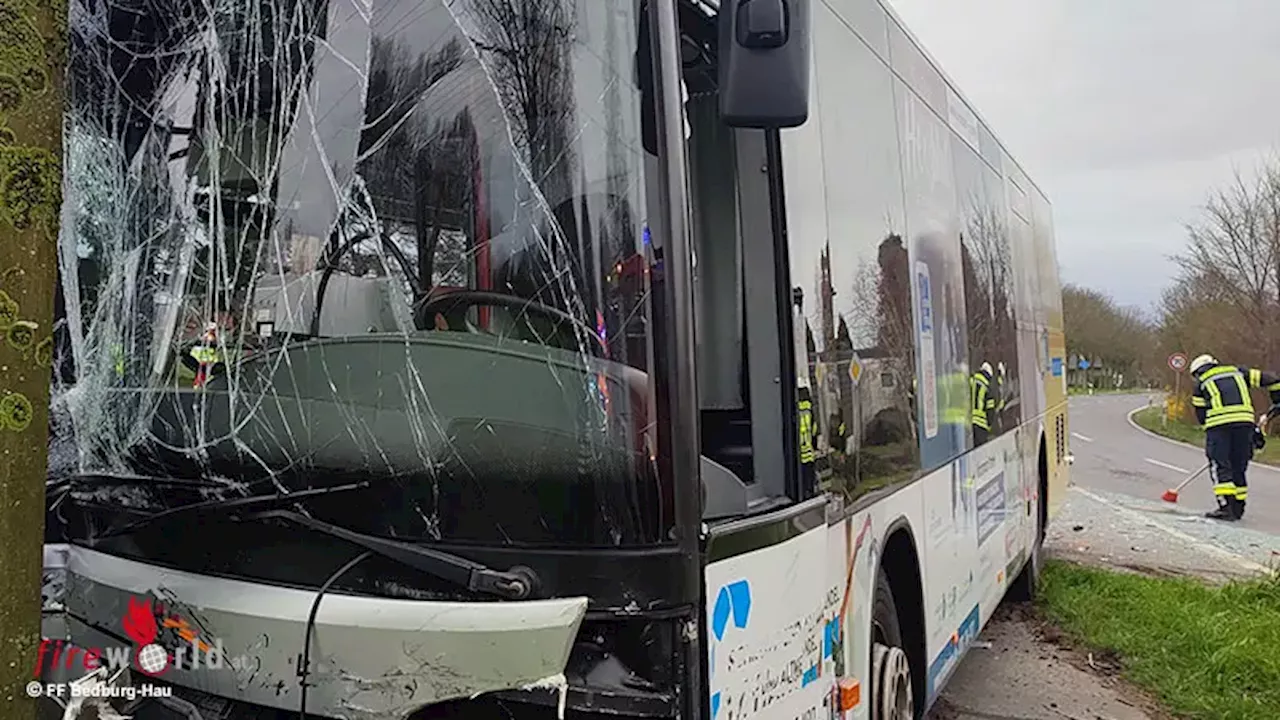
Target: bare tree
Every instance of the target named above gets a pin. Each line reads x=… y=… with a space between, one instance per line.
x=1232 y=264
x=881 y=310
x=31 y=75
x=1100 y=330
x=419 y=157
x=529 y=41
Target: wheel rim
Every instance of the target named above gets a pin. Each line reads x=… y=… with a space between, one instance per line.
x=893 y=696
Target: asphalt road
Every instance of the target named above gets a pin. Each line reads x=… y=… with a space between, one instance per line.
x=1113 y=455
x=1113 y=517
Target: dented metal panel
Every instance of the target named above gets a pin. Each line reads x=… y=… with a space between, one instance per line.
x=370 y=657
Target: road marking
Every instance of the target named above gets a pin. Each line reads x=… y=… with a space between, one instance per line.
x=1078 y=436
x=1210 y=548
x=1186 y=446
x=1166 y=466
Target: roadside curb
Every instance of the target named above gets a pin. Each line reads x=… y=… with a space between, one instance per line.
x=1134 y=424
x=1199 y=544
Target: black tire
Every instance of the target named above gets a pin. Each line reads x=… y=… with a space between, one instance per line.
x=890 y=667
x=1024 y=587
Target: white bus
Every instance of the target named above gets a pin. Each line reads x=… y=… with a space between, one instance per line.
x=577 y=358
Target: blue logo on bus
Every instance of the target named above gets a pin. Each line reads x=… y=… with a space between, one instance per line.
x=733 y=602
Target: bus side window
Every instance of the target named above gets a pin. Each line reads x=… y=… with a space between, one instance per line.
x=850 y=255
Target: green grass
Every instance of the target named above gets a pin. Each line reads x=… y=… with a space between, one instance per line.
x=1205 y=652
x=1151 y=418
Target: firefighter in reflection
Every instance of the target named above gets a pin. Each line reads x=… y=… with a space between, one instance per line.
x=805 y=418
x=984 y=392
x=1223 y=406
x=954 y=390
x=206 y=354
x=837 y=430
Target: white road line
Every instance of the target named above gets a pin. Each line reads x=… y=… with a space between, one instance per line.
x=1209 y=548
x=1186 y=446
x=1167 y=466
x=1078 y=436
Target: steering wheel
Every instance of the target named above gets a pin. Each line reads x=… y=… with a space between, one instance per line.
x=425 y=312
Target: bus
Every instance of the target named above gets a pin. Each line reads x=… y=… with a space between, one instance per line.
x=426 y=359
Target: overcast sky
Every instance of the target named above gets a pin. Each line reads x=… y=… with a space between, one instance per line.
x=1125 y=112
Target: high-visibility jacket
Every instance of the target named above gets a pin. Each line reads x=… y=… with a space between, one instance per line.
x=1222 y=397
x=808 y=432
x=205 y=354
x=955 y=393
x=984 y=401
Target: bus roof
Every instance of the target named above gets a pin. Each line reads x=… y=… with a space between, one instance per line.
x=712 y=7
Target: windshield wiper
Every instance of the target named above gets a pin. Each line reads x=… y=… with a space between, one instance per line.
x=515 y=584
x=230 y=504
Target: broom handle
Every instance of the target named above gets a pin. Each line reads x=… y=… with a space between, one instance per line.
x=1191 y=477
x=1262 y=422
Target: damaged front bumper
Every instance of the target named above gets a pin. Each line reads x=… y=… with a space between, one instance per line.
x=370 y=657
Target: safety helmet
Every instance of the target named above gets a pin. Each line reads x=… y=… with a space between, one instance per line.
x=986 y=368
x=1202 y=363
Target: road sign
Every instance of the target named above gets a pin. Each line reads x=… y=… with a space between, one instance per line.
x=1177 y=362
x=855 y=368
x=1084 y=364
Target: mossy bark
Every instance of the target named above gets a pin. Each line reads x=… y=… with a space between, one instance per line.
x=33 y=46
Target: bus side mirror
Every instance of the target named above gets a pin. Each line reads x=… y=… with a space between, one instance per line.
x=764 y=63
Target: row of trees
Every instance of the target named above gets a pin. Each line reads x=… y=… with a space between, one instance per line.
x=1224 y=299
x=1118 y=341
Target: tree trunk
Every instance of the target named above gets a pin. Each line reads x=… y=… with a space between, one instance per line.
x=33 y=46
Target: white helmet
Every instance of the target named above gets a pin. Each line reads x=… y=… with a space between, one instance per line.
x=1201 y=363
x=986 y=368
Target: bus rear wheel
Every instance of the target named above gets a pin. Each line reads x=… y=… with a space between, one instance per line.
x=1024 y=586
x=892 y=697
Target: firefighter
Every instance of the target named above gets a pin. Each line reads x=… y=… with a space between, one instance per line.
x=206 y=354
x=1222 y=404
x=983 y=405
x=956 y=416
x=837 y=430
x=808 y=438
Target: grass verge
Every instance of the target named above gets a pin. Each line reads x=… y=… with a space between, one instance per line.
x=1204 y=652
x=1151 y=418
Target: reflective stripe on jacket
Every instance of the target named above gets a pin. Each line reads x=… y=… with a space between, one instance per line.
x=1222 y=397
x=983 y=400
x=805 y=408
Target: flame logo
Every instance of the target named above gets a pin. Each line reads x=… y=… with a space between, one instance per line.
x=140 y=622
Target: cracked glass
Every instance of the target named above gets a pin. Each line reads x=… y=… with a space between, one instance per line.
x=397 y=242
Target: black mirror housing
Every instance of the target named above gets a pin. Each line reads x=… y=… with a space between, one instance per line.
x=764 y=63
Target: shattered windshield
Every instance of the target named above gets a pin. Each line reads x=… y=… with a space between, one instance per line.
x=404 y=241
